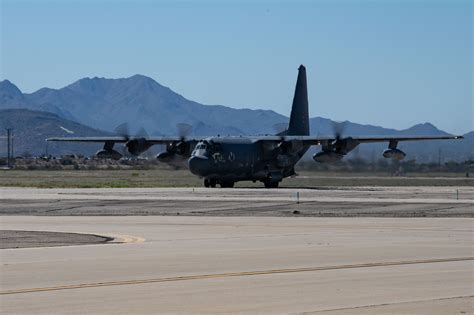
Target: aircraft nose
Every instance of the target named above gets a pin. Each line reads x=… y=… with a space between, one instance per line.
x=199 y=165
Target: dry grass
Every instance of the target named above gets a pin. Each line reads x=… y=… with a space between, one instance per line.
x=166 y=177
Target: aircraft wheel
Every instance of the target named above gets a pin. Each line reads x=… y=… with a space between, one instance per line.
x=270 y=184
x=212 y=182
x=227 y=185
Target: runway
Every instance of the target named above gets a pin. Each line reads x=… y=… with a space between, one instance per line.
x=433 y=195
x=323 y=202
x=183 y=264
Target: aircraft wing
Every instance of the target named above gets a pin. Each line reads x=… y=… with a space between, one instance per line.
x=89 y=139
x=306 y=140
x=318 y=140
x=119 y=139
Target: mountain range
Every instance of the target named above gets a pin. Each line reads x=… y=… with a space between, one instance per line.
x=95 y=106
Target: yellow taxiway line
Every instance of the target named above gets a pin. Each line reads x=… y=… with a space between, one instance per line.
x=233 y=274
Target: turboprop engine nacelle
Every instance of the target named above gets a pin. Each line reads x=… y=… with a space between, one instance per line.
x=164 y=156
x=108 y=154
x=137 y=146
x=394 y=154
x=327 y=156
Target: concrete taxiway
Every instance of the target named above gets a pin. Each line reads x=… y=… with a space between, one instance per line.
x=243 y=264
x=241 y=251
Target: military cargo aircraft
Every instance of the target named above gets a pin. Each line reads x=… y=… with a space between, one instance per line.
x=226 y=160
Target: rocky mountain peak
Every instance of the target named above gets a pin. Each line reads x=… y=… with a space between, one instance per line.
x=424 y=129
x=9 y=90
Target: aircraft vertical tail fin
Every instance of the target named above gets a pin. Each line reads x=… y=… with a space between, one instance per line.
x=299 y=118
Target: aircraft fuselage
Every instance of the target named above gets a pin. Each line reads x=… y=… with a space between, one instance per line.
x=225 y=160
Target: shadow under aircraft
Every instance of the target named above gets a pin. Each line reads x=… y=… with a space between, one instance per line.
x=226 y=160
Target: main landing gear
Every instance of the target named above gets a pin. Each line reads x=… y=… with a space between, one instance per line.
x=209 y=183
x=227 y=184
x=270 y=184
x=212 y=183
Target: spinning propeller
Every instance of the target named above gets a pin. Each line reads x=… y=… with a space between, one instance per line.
x=176 y=152
x=134 y=145
x=338 y=130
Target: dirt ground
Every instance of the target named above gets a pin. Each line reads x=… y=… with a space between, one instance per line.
x=28 y=239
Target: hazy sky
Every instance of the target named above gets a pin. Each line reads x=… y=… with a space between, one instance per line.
x=389 y=63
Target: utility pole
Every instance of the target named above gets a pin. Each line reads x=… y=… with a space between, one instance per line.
x=13 y=152
x=439 y=159
x=9 y=130
x=372 y=160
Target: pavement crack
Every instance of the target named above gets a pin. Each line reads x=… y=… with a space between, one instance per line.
x=384 y=304
x=65 y=209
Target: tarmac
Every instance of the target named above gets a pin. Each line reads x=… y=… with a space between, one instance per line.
x=323 y=202
x=239 y=264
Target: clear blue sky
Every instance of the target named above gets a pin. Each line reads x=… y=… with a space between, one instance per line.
x=389 y=63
